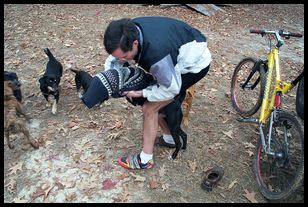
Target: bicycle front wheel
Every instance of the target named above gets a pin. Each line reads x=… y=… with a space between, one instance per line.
x=280 y=174
x=247 y=86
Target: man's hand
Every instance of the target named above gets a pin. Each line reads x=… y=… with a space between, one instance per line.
x=133 y=94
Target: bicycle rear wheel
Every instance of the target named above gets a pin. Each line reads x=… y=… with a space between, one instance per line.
x=247 y=86
x=279 y=175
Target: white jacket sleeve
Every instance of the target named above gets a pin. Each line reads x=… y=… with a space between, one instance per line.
x=168 y=81
x=162 y=93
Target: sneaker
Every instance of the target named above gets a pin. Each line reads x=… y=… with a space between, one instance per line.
x=134 y=162
x=161 y=142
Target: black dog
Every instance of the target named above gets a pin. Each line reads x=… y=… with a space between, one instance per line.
x=49 y=83
x=16 y=84
x=82 y=80
x=173 y=116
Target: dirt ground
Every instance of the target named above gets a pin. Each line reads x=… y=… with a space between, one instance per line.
x=77 y=158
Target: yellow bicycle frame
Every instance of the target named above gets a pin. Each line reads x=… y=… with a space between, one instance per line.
x=283 y=87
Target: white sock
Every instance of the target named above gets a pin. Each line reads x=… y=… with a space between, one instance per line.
x=145 y=157
x=168 y=138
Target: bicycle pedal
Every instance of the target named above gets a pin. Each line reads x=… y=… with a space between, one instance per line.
x=248 y=120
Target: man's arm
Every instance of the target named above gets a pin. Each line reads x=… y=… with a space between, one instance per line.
x=168 y=81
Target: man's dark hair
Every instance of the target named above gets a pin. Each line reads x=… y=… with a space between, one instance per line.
x=120 y=34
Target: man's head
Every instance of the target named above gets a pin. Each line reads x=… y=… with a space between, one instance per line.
x=121 y=39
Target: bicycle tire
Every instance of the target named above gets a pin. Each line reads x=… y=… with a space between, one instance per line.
x=294 y=178
x=300 y=99
x=235 y=82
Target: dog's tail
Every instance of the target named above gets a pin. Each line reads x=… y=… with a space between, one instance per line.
x=48 y=53
x=187 y=103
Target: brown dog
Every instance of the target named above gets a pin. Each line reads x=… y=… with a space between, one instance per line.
x=12 y=111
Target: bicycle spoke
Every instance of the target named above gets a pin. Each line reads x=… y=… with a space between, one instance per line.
x=246 y=87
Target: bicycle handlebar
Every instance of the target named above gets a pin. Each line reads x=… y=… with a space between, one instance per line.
x=280 y=32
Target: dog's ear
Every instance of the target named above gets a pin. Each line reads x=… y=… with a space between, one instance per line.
x=42 y=80
x=14 y=75
x=9 y=84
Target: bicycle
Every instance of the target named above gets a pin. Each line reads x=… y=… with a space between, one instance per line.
x=279 y=157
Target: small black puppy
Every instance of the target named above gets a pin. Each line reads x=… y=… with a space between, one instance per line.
x=82 y=80
x=16 y=84
x=49 y=83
